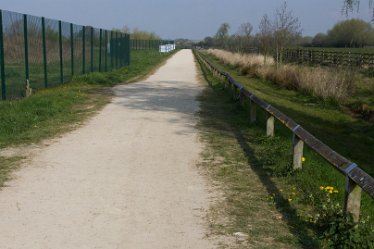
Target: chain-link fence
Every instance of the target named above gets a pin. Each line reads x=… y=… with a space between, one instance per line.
x=44 y=52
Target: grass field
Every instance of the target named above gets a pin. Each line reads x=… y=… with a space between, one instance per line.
x=59 y=109
x=350 y=137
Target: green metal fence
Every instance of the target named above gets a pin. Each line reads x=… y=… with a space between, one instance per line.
x=148 y=44
x=47 y=52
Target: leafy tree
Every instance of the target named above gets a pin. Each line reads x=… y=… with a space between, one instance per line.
x=351 y=33
x=222 y=35
x=320 y=40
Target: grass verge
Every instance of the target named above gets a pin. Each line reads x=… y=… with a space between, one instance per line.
x=234 y=145
x=57 y=110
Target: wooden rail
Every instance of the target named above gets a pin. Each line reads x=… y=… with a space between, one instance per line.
x=343 y=58
x=356 y=178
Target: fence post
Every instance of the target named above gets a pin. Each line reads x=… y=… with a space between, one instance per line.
x=26 y=47
x=45 y=62
x=2 y=57
x=106 y=51
x=91 y=48
x=297 y=152
x=352 y=199
x=72 y=48
x=100 y=45
x=111 y=50
x=83 y=50
x=116 y=46
x=252 y=112
x=60 y=45
x=270 y=126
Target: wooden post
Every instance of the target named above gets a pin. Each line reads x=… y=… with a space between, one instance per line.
x=270 y=126
x=297 y=152
x=252 y=108
x=352 y=199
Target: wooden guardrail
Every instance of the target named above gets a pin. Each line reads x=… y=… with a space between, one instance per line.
x=356 y=178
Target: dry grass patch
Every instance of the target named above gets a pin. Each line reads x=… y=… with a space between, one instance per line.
x=325 y=83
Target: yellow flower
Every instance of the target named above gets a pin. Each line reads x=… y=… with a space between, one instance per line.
x=303 y=159
x=321 y=187
x=289 y=199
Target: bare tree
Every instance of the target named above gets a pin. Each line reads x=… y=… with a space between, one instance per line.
x=350 y=5
x=265 y=35
x=287 y=28
x=245 y=29
x=243 y=36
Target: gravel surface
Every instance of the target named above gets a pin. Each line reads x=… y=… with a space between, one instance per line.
x=126 y=179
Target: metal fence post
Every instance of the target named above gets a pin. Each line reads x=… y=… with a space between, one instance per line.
x=116 y=46
x=72 y=48
x=128 y=50
x=91 y=49
x=45 y=62
x=106 y=52
x=2 y=57
x=100 y=48
x=60 y=47
x=111 y=50
x=26 y=47
x=83 y=49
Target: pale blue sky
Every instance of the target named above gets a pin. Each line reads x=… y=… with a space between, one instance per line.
x=194 y=19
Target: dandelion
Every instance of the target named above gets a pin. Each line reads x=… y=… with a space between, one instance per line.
x=289 y=199
x=303 y=159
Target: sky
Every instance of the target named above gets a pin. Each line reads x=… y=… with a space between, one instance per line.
x=191 y=19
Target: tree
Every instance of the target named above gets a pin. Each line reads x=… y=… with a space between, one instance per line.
x=265 y=35
x=243 y=36
x=320 y=40
x=245 y=29
x=350 y=5
x=222 y=35
x=351 y=33
x=286 y=28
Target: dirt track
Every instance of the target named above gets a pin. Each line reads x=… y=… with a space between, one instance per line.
x=127 y=179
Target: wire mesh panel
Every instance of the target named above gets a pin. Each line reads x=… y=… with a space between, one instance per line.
x=53 y=51
x=66 y=51
x=47 y=52
x=14 y=56
x=95 y=49
x=35 y=52
x=77 y=48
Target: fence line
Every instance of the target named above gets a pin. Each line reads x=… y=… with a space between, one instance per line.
x=328 y=57
x=42 y=52
x=356 y=178
x=137 y=44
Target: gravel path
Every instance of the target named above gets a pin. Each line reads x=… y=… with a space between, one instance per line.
x=127 y=179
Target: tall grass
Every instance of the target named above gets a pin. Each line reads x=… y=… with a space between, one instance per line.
x=325 y=83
